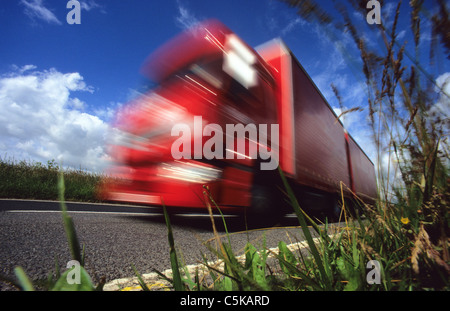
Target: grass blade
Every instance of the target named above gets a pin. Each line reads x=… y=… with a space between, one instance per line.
x=302 y=219
x=68 y=224
x=207 y=195
x=24 y=281
x=177 y=282
x=141 y=281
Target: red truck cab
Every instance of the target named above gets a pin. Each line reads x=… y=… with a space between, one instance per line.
x=207 y=75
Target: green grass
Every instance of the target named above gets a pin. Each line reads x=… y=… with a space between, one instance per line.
x=34 y=180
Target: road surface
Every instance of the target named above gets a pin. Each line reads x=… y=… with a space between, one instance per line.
x=115 y=237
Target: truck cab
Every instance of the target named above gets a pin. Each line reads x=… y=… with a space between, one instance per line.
x=206 y=71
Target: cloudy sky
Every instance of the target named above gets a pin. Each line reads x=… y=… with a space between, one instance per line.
x=60 y=84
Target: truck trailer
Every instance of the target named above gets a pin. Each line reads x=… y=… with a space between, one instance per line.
x=172 y=142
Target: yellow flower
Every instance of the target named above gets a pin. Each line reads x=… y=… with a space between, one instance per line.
x=404 y=220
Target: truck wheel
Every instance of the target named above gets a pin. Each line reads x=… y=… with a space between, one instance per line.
x=263 y=210
x=336 y=208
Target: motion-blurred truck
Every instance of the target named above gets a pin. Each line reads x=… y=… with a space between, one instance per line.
x=208 y=76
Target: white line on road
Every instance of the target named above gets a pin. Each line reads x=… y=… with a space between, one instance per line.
x=83 y=212
x=116 y=213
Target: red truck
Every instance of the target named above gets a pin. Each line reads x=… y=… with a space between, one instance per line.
x=207 y=75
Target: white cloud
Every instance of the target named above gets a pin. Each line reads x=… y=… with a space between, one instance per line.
x=401 y=34
x=388 y=13
x=440 y=112
x=185 y=19
x=41 y=120
x=442 y=106
x=349 y=119
x=23 y=68
x=35 y=9
x=291 y=25
x=108 y=113
x=89 y=5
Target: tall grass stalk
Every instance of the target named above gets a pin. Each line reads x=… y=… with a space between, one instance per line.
x=177 y=281
x=69 y=226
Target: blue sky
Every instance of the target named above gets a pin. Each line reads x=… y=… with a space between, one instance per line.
x=61 y=83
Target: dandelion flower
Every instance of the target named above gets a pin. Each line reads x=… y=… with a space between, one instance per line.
x=404 y=220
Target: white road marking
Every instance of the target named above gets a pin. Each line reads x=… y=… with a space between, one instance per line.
x=83 y=212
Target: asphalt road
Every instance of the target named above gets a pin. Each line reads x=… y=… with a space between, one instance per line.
x=115 y=237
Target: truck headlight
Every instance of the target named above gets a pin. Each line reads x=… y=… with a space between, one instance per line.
x=195 y=172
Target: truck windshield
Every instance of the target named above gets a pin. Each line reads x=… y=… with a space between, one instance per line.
x=209 y=74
